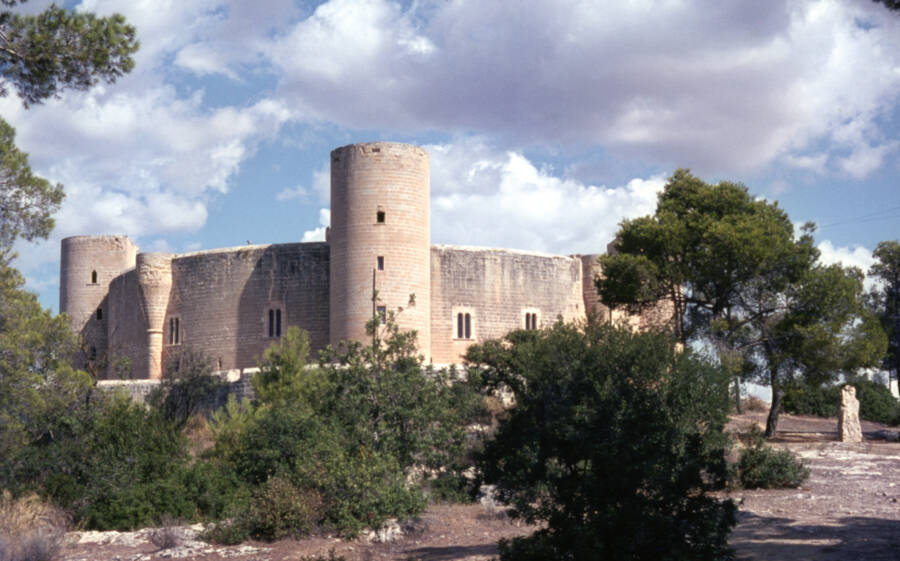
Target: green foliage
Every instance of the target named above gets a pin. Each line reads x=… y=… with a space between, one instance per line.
x=876 y=403
x=741 y=281
x=342 y=435
x=762 y=467
x=26 y=200
x=885 y=300
x=56 y=49
x=279 y=510
x=39 y=390
x=111 y=462
x=188 y=387
x=613 y=443
x=801 y=398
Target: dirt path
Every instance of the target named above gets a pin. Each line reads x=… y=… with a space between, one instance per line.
x=849 y=510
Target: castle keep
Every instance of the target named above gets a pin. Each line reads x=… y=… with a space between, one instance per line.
x=233 y=303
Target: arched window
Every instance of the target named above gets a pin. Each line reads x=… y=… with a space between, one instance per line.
x=93 y=277
x=463 y=326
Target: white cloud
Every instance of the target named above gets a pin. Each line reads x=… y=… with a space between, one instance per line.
x=318 y=234
x=289 y=193
x=853 y=256
x=483 y=196
x=729 y=88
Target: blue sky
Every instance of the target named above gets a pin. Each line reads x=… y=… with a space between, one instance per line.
x=547 y=122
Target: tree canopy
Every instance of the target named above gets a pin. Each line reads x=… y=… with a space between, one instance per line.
x=741 y=280
x=613 y=442
x=40 y=56
x=886 y=299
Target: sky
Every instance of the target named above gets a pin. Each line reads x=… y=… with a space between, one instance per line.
x=547 y=123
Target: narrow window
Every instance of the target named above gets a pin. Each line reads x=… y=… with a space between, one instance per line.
x=99 y=314
x=93 y=277
x=382 y=314
x=379 y=217
x=381 y=262
x=174 y=331
x=93 y=354
x=468 y=326
x=459 y=326
x=275 y=322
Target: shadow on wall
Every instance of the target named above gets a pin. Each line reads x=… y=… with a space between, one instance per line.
x=287 y=285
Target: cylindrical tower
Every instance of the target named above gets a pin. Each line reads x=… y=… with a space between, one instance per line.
x=87 y=266
x=380 y=239
x=154 y=271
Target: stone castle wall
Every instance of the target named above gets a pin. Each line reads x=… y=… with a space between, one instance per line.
x=233 y=303
x=496 y=288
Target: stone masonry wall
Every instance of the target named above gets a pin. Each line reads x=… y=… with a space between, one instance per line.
x=222 y=299
x=497 y=287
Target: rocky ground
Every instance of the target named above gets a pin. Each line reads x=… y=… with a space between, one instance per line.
x=848 y=510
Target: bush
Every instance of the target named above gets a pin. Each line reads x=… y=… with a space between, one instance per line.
x=762 y=467
x=188 y=387
x=30 y=529
x=876 y=403
x=280 y=509
x=613 y=443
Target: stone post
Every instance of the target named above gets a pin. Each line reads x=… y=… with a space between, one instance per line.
x=848 y=422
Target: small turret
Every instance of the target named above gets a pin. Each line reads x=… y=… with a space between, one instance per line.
x=154 y=272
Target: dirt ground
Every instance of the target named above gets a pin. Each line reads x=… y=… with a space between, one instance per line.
x=848 y=510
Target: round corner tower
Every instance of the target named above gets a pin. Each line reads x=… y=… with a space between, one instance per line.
x=379 y=239
x=88 y=264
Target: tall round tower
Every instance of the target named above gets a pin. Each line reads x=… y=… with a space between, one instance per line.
x=379 y=239
x=87 y=266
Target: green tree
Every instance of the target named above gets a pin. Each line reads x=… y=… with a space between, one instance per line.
x=40 y=56
x=613 y=443
x=705 y=247
x=38 y=387
x=886 y=300
x=744 y=283
x=816 y=329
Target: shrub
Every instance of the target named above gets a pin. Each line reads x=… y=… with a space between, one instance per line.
x=280 y=509
x=188 y=387
x=876 y=403
x=168 y=535
x=613 y=443
x=30 y=529
x=762 y=467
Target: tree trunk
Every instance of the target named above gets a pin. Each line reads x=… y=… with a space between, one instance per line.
x=777 y=395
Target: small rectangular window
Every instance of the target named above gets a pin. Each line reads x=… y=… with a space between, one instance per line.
x=381 y=312
x=381 y=262
x=99 y=313
x=459 y=326
x=174 y=331
x=275 y=322
x=468 y=326
x=379 y=217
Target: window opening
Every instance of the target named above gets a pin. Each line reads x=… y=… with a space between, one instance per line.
x=93 y=277
x=381 y=312
x=93 y=354
x=99 y=314
x=275 y=322
x=381 y=262
x=463 y=326
x=531 y=320
x=174 y=331
x=379 y=217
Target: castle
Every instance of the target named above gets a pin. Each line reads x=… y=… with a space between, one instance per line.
x=233 y=303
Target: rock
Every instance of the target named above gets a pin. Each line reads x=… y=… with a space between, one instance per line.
x=848 y=422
